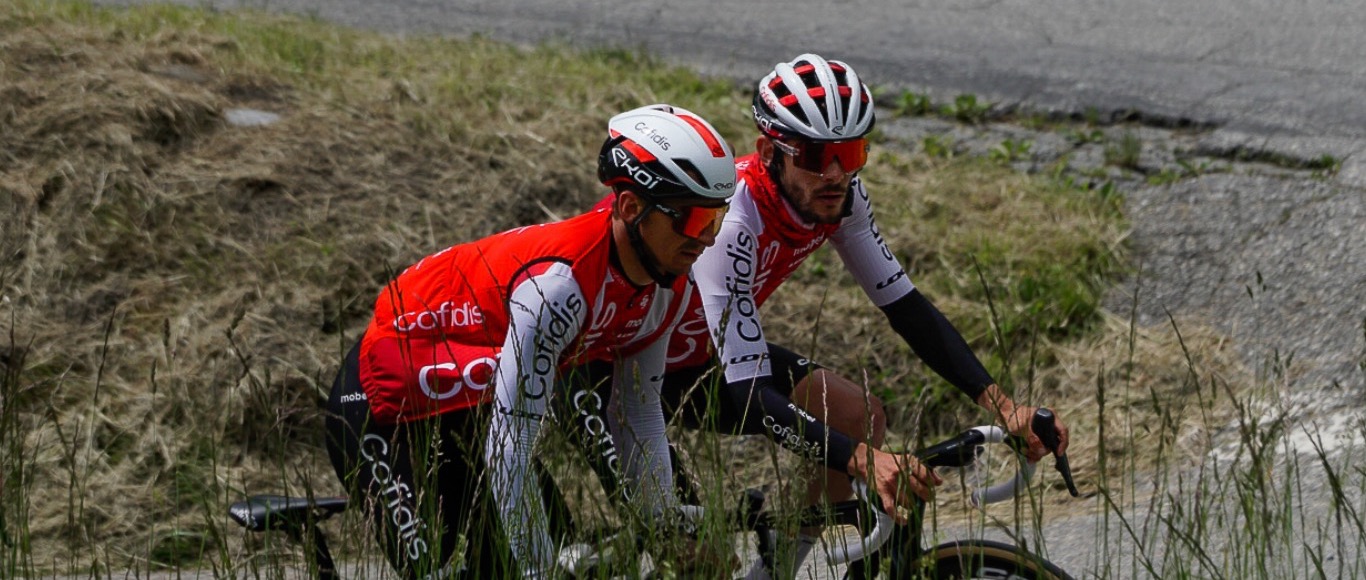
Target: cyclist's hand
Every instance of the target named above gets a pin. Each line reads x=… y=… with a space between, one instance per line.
x=891 y=475
x=1018 y=421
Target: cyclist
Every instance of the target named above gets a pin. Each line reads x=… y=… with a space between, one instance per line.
x=799 y=190
x=496 y=324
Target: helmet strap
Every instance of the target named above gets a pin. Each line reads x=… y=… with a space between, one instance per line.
x=643 y=254
x=775 y=173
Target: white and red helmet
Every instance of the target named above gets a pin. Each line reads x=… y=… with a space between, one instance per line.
x=666 y=152
x=813 y=99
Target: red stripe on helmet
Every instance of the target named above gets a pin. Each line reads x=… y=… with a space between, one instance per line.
x=846 y=91
x=803 y=69
x=641 y=154
x=788 y=101
x=816 y=92
x=708 y=137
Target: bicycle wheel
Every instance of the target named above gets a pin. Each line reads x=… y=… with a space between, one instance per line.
x=972 y=559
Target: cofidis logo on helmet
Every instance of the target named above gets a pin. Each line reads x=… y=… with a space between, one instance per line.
x=651 y=134
x=447 y=315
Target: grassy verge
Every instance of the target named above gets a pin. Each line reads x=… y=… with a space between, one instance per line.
x=177 y=290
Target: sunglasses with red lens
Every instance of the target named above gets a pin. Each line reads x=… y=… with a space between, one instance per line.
x=816 y=156
x=694 y=220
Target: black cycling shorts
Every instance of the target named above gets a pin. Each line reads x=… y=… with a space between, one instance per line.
x=693 y=394
x=421 y=484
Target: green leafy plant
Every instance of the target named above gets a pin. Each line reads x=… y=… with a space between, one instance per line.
x=1325 y=166
x=1126 y=153
x=1091 y=116
x=1166 y=176
x=914 y=104
x=1010 y=150
x=938 y=146
x=1083 y=136
x=967 y=109
x=1185 y=169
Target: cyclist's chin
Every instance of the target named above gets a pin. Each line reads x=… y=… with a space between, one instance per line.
x=681 y=263
x=823 y=209
x=823 y=215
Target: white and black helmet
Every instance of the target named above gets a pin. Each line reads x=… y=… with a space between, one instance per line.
x=666 y=152
x=814 y=99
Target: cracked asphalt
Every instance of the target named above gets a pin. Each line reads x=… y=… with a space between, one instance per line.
x=1270 y=251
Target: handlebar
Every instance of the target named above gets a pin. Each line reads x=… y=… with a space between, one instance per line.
x=1044 y=424
x=962 y=450
x=883 y=525
x=1006 y=489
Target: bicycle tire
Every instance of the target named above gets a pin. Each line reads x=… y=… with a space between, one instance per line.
x=970 y=559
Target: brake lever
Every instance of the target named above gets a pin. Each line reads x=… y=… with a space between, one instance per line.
x=1044 y=424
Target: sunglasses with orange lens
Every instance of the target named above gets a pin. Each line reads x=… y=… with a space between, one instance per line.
x=694 y=220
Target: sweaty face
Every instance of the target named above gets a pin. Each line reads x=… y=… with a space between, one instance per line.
x=818 y=197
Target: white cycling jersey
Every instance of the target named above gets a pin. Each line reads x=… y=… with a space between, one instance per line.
x=755 y=252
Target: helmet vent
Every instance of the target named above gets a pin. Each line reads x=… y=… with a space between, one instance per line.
x=691 y=170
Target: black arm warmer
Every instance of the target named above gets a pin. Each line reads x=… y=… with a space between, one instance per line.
x=789 y=426
x=938 y=343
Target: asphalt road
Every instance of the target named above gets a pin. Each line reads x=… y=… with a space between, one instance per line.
x=1275 y=257
x=1295 y=71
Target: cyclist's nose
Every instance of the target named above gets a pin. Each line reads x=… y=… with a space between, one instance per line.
x=834 y=171
x=708 y=236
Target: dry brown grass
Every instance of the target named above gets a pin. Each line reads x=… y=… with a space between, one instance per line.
x=180 y=288
x=176 y=290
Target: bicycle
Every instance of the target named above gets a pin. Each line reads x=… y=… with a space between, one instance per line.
x=977 y=558
x=974 y=558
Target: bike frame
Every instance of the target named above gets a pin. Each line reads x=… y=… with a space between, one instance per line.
x=298 y=517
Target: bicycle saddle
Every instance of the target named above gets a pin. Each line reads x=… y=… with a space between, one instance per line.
x=273 y=512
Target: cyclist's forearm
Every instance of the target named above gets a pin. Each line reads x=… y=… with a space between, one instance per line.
x=789 y=426
x=938 y=343
x=997 y=401
x=539 y=329
x=638 y=428
x=1004 y=410
x=513 y=485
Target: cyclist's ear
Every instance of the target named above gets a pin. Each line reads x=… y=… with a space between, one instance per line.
x=628 y=206
x=765 y=149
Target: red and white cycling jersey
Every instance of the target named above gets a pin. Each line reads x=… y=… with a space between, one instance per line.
x=433 y=343
x=494 y=321
x=761 y=243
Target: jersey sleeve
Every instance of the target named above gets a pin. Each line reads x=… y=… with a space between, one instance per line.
x=865 y=253
x=637 y=425
x=788 y=425
x=546 y=313
x=725 y=282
